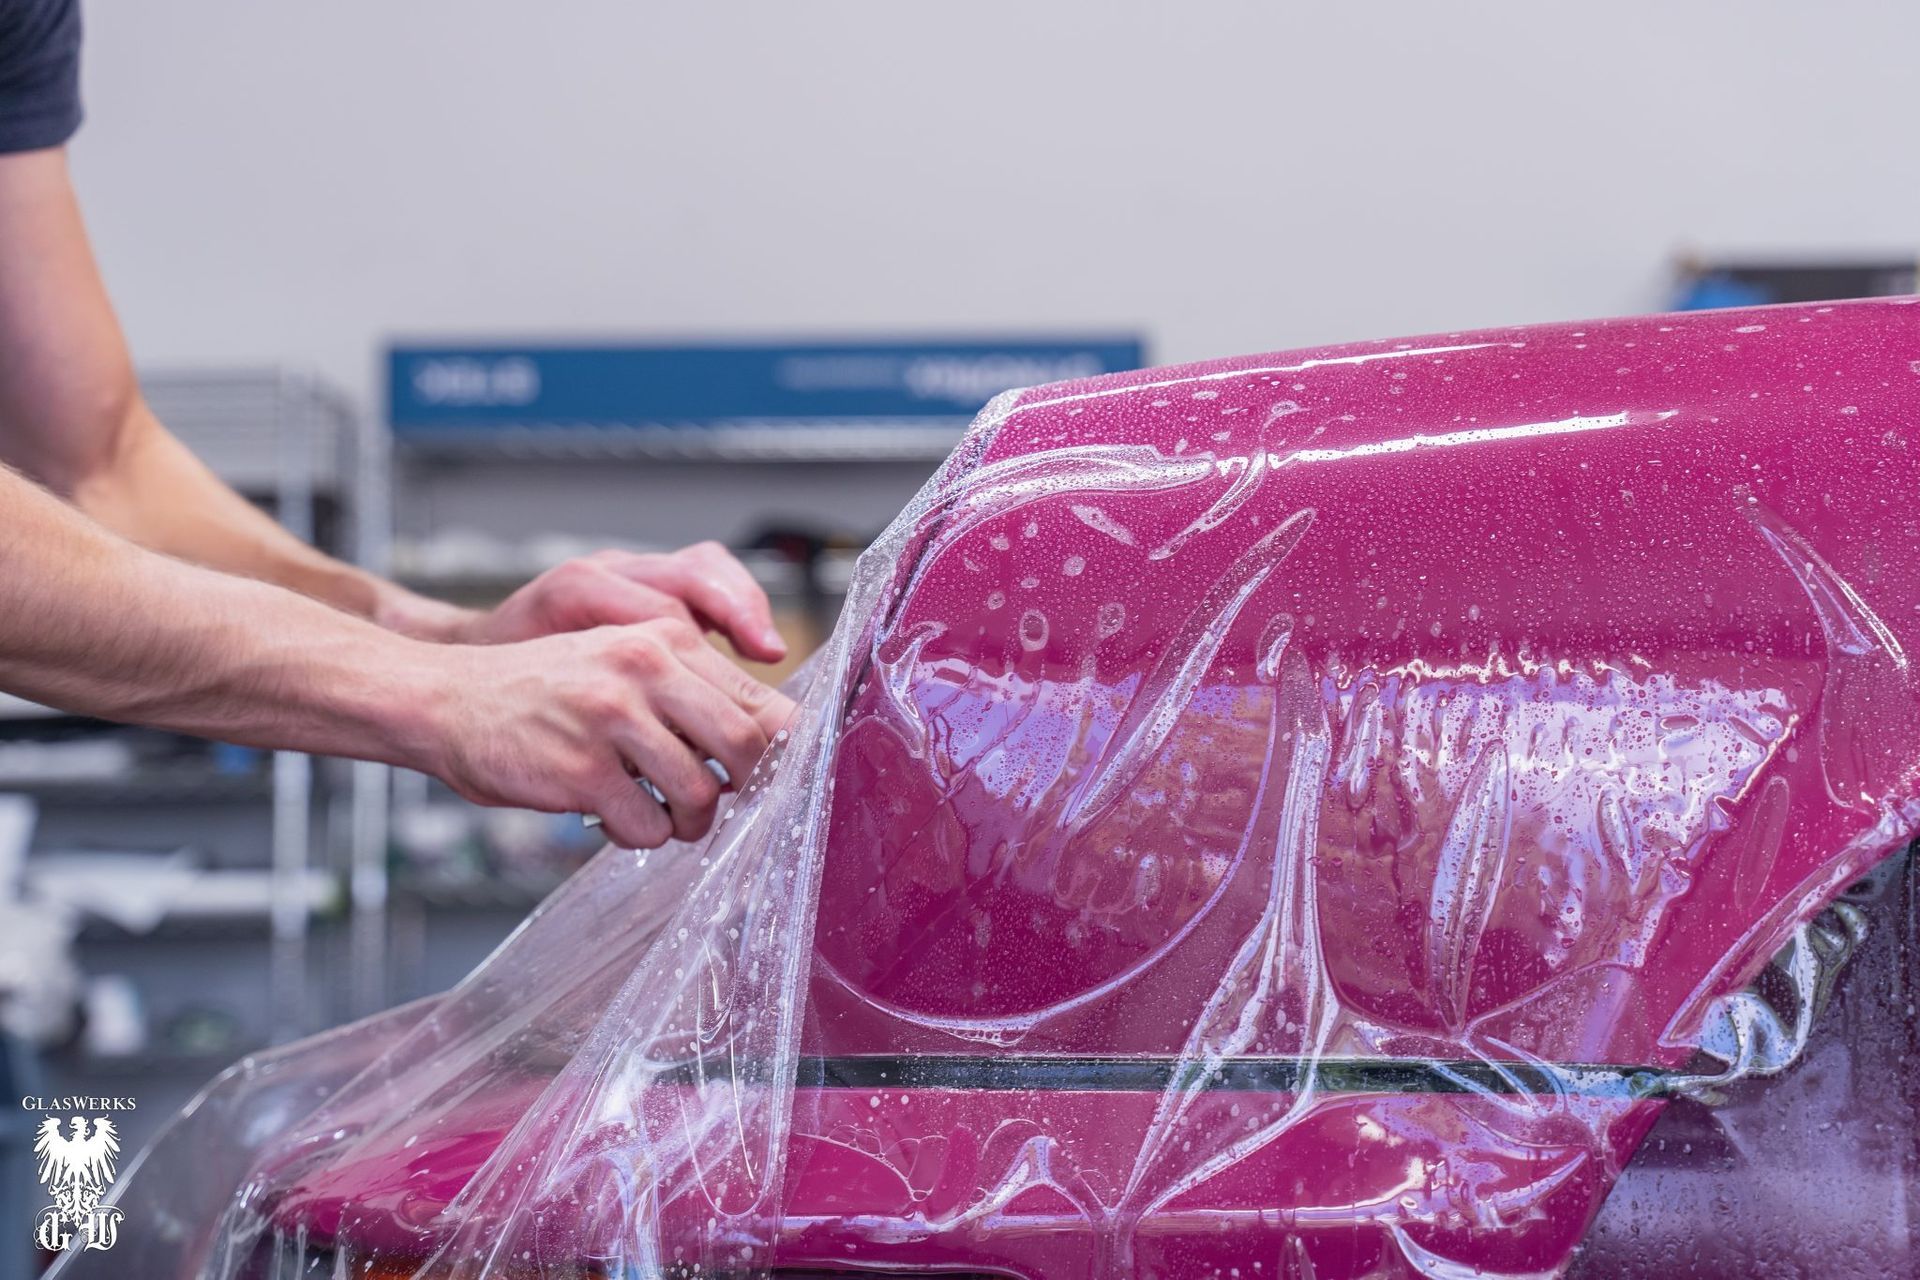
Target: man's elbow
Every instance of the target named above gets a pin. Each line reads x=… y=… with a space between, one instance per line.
x=72 y=438
x=89 y=451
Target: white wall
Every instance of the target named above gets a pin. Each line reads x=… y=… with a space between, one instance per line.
x=284 y=182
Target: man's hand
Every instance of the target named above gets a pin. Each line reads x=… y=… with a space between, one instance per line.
x=702 y=585
x=567 y=722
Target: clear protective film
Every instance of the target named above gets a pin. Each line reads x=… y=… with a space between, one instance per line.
x=1431 y=809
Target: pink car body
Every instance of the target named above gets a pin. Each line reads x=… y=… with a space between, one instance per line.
x=1308 y=813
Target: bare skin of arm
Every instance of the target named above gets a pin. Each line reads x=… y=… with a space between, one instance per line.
x=594 y=673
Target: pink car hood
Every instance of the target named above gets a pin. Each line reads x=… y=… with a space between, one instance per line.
x=1303 y=811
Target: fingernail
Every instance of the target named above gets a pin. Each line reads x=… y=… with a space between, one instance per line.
x=772 y=638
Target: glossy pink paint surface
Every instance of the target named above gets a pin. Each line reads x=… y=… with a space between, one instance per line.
x=1488 y=703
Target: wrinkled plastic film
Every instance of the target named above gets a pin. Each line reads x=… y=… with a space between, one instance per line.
x=1331 y=814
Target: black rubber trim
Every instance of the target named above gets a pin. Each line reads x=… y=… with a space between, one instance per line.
x=1249 y=1075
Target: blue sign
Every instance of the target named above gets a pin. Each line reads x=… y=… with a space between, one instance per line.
x=459 y=388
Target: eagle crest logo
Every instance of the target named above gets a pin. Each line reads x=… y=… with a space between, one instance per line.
x=77 y=1168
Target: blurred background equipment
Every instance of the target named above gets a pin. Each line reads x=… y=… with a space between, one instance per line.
x=513 y=458
x=1701 y=283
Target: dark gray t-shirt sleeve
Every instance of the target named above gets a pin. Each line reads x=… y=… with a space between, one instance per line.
x=39 y=73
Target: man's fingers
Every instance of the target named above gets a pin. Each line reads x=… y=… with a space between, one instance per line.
x=715 y=725
x=661 y=758
x=767 y=706
x=603 y=598
x=558 y=723
x=717 y=586
x=716 y=580
x=631 y=818
x=713 y=703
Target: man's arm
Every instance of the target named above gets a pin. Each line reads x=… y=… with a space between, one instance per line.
x=91 y=623
x=72 y=417
x=150 y=488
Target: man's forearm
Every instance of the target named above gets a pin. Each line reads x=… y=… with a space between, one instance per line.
x=151 y=489
x=93 y=624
